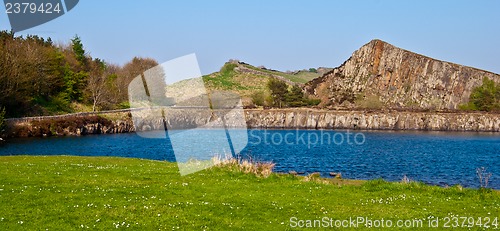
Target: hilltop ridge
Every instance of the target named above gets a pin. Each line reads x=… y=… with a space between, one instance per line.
x=248 y=80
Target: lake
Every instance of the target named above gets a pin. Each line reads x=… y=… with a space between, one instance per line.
x=438 y=158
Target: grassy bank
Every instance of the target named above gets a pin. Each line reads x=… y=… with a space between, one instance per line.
x=66 y=193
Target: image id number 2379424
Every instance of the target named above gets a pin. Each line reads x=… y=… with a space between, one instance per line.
x=33 y=8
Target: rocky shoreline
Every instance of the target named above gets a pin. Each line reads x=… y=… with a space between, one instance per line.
x=298 y=118
x=374 y=120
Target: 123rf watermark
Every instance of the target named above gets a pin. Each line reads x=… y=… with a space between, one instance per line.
x=366 y=222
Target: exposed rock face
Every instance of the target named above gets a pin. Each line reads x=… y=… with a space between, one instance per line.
x=281 y=119
x=380 y=73
x=117 y=126
x=62 y=127
x=362 y=120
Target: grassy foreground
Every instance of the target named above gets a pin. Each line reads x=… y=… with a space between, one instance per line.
x=67 y=193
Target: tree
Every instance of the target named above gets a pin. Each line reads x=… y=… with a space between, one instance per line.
x=75 y=74
x=295 y=97
x=129 y=71
x=485 y=97
x=278 y=89
x=313 y=70
x=78 y=50
x=38 y=77
x=96 y=83
x=112 y=99
x=102 y=86
x=30 y=73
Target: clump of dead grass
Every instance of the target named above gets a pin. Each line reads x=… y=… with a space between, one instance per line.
x=248 y=166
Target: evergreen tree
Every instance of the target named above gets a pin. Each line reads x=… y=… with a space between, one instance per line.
x=278 y=89
x=78 y=50
x=295 y=97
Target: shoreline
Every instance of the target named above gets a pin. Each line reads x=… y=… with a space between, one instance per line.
x=120 y=121
x=306 y=177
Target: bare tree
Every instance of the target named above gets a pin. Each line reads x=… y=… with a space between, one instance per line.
x=29 y=71
x=129 y=71
x=96 y=83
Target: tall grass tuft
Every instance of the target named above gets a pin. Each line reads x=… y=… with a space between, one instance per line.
x=260 y=169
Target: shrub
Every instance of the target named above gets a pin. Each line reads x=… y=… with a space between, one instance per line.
x=55 y=104
x=484 y=98
x=313 y=102
x=228 y=69
x=258 y=98
x=124 y=105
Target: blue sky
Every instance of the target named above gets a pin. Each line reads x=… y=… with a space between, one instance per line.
x=279 y=34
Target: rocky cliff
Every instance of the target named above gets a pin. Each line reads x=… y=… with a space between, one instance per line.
x=255 y=118
x=373 y=120
x=380 y=75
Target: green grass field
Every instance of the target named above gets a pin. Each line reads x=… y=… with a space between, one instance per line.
x=68 y=193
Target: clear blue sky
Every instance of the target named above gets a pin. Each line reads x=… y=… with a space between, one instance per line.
x=279 y=34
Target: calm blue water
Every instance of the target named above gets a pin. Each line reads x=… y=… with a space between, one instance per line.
x=432 y=157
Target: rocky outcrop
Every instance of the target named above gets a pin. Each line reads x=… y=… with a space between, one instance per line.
x=331 y=119
x=384 y=76
x=266 y=119
x=376 y=120
x=75 y=125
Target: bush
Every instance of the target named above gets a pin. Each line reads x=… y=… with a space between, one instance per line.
x=228 y=69
x=484 y=98
x=124 y=105
x=313 y=102
x=258 y=98
x=56 y=104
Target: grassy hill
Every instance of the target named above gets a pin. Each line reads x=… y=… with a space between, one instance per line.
x=300 y=77
x=68 y=193
x=247 y=80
